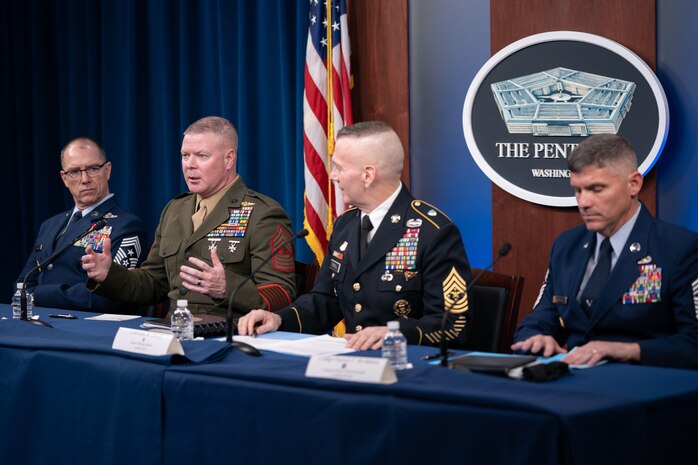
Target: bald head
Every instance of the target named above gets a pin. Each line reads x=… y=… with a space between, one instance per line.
x=84 y=143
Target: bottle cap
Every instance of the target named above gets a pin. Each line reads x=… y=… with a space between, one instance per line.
x=182 y=302
x=393 y=325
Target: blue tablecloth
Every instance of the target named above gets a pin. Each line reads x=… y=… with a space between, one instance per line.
x=85 y=406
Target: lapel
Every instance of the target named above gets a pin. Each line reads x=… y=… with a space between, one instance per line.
x=219 y=215
x=353 y=237
x=56 y=229
x=184 y=217
x=626 y=270
x=388 y=233
x=581 y=260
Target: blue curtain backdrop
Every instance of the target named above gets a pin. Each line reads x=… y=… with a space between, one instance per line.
x=134 y=74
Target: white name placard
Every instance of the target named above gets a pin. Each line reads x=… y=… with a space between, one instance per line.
x=350 y=368
x=146 y=342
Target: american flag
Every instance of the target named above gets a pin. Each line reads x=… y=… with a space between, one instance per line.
x=326 y=109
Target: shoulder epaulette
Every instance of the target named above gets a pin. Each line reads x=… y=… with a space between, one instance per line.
x=430 y=213
x=350 y=209
x=265 y=199
x=347 y=212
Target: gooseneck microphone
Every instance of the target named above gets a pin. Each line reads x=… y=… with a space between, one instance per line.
x=23 y=293
x=242 y=346
x=443 y=346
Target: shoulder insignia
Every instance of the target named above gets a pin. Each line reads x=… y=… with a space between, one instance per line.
x=455 y=293
x=283 y=259
x=430 y=213
x=129 y=252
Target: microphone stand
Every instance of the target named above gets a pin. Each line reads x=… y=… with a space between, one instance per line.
x=443 y=346
x=23 y=293
x=243 y=346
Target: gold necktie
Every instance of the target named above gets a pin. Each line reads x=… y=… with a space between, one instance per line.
x=198 y=217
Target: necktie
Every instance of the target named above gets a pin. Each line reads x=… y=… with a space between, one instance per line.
x=199 y=216
x=598 y=277
x=73 y=219
x=366 y=226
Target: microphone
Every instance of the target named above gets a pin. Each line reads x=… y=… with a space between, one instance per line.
x=443 y=352
x=23 y=294
x=243 y=346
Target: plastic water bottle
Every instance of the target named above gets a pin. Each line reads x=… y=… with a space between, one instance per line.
x=17 y=303
x=395 y=346
x=182 y=322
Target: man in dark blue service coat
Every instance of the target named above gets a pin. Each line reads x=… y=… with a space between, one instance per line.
x=389 y=257
x=61 y=283
x=622 y=287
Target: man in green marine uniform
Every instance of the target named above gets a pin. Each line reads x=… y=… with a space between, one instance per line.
x=208 y=239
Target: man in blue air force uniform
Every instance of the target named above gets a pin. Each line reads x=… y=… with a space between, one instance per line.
x=61 y=284
x=414 y=264
x=624 y=286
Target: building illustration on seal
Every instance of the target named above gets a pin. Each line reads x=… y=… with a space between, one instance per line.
x=563 y=102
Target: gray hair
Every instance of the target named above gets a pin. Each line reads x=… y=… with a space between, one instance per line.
x=603 y=150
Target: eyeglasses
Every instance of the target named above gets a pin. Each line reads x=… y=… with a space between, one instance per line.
x=91 y=171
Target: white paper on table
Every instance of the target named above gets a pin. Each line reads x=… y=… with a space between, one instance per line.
x=306 y=347
x=316 y=345
x=261 y=343
x=112 y=317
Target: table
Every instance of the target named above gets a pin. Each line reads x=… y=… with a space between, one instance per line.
x=96 y=406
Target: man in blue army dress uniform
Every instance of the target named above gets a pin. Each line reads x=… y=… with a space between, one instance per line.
x=61 y=284
x=390 y=256
x=208 y=239
x=624 y=286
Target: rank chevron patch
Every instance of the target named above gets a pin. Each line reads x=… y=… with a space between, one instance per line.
x=129 y=252
x=455 y=293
